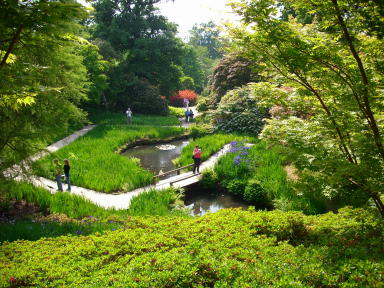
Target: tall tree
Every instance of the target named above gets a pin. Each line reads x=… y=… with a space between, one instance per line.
x=336 y=65
x=207 y=35
x=146 y=44
x=42 y=79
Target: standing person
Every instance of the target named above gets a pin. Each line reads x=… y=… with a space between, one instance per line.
x=190 y=115
x=57 y=173
x=67 y=174
x=186 y=115
x=196 y=159
x=129 y=115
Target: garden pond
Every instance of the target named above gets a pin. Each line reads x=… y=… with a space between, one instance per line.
x=158 y=157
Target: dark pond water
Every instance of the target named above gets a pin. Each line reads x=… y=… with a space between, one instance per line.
x=158 y=157
x=202 y=201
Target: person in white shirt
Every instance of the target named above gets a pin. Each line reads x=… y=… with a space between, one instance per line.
x=129 y=115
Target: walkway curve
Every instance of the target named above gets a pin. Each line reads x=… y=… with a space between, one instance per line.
x=123 y=201
x=116 y=201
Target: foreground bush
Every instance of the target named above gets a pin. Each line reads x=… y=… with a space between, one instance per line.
x=230 y=248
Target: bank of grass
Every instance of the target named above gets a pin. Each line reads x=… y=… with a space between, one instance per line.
x=95 y=163
x=74 y=214
x=230 y=248
x=110 y=118
x=209 y=144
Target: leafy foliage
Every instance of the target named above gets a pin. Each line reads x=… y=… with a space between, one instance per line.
x=231 y=248
x=334 y=67
x=231 y=72
x=207 y=35
x=178 y=99
x=238 y=111
x=144 y=47
x=42 y=78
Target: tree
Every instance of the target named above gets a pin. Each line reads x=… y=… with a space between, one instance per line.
x=207 y=35
x=192 y=68
x=145 y=44
x=231 y=72
x=335 y=67
x=42 y=79
x=97 y=69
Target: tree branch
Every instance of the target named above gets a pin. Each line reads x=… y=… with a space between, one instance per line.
x=11 y=45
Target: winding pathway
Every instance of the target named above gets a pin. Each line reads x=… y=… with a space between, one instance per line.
x=117 y=201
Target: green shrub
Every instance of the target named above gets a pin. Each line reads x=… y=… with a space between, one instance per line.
x=209 y=179
x=236 y=186
x=230 y=248
x=255 y=193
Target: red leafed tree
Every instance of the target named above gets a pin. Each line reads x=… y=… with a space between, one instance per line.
x=178 y=99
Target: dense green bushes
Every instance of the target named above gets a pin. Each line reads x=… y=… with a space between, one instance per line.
x=230 y=248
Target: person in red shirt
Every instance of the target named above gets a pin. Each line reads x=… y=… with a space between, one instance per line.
x=196 y=159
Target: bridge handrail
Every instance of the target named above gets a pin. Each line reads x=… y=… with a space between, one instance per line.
x=174 y=170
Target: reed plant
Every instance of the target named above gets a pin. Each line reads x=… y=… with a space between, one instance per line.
x=74 y=214
x=255 y=164
x=94 y=163
x=59 y=203
x=257 y=174
x=156 y=203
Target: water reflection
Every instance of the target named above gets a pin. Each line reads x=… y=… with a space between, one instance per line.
x=158 y=157
x=201 y=201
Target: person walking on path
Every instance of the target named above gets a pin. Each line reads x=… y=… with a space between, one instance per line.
x=129 y=115
x=58 y=171
x=67 y=174
x=196 y=159
x=186 y=115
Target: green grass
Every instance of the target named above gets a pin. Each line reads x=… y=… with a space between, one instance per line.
x=155 y=202
x=209 y=145
x=230 y=248
x=176 y=111
x=96 y=165
x=110 y=118
x=59 y=203
x=85 y=217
